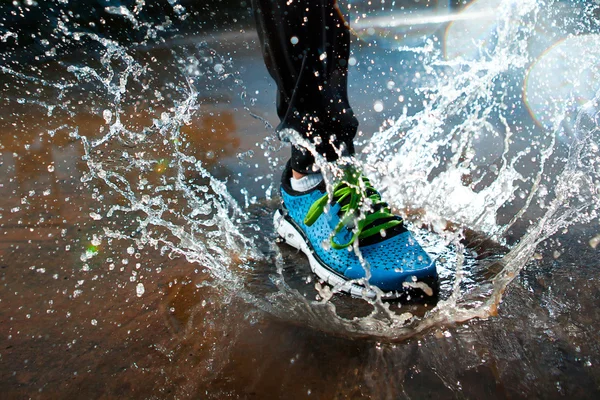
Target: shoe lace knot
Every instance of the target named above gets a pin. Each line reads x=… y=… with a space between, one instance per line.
x=361 y=207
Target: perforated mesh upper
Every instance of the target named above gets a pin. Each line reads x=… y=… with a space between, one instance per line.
x=392 y=261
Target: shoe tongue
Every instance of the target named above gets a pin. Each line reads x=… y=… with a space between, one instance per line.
x=369 y=192
x=390 y=232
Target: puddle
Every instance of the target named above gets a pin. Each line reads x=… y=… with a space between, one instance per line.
x=139 y=174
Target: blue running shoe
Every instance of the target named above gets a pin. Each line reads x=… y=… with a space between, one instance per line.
x=327 y=232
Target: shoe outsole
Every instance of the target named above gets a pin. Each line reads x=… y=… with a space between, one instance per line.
x=292 y=236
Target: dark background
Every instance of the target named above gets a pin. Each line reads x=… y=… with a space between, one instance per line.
x=35 y=23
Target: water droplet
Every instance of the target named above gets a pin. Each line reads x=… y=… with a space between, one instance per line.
x=107 y=114
x=139 y=290
x=294 y=40
x=556 y=254
x=378 y=106
x=595 y=241
x=179 y=9
x=95 y=216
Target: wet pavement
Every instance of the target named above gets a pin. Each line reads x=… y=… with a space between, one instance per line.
x=88 y=318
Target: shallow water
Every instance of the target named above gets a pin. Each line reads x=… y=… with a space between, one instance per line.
x=139 y=171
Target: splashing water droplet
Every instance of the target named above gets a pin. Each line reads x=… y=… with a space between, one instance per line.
x=595 y=241
x=107 y=115
x=140 y=290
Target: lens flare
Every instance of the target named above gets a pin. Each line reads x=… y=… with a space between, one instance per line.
x=393 y=25
x=472 y=32
x=563 y=78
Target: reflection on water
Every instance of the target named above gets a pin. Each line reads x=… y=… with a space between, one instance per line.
x=137 y=254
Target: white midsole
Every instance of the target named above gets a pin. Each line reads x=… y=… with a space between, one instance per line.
x=292 y=237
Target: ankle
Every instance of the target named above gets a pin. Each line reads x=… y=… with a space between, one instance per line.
x=297 y=175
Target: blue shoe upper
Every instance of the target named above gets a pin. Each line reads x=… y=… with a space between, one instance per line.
x=392 y=260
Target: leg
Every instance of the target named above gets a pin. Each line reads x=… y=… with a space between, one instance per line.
x=306 y=45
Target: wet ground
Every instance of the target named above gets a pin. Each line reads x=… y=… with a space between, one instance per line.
x=82 y=318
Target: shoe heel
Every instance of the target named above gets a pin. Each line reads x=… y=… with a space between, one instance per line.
x=286 y=231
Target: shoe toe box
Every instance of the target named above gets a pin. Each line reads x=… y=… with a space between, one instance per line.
x=393 y=262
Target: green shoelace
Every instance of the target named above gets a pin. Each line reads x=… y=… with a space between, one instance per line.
x=351 y=194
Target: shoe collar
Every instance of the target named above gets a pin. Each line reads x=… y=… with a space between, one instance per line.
x=287 y=186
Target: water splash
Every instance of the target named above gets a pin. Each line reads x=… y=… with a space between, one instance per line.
x=431 y=161
x=178 y=206
x=461 y=160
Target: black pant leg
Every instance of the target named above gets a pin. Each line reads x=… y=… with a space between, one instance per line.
x=306 y=45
